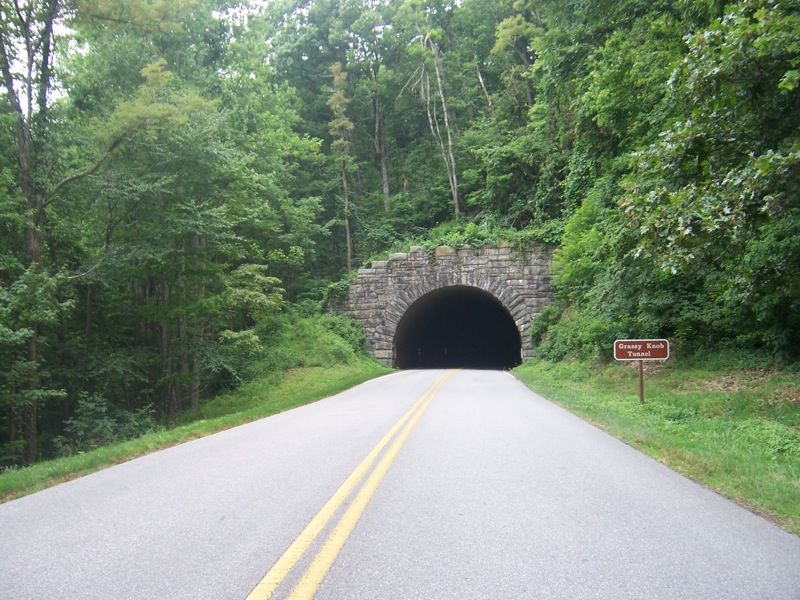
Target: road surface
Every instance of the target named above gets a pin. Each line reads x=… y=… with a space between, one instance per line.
x=451 y=485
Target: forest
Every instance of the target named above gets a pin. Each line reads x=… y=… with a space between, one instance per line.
x=185 y=182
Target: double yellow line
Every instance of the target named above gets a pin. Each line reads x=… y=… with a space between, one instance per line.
x=312 y=578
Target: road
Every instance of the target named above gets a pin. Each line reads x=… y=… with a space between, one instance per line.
x=457 y=485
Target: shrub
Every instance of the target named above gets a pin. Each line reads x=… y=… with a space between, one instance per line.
x=294 y=338
x=572 y=333
x=97 y=422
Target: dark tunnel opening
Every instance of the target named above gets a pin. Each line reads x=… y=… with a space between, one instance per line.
x=457 y=326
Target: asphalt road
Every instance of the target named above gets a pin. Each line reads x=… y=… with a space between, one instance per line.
x=485 y=490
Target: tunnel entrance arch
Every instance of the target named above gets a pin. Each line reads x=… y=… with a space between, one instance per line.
x=457 y=326
x=380 y=296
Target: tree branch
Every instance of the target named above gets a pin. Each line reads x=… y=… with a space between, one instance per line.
x=89 y=270
x=154 y=26
x=8 y=78
x=22 y=20
x=50 y=196
x=47 y=44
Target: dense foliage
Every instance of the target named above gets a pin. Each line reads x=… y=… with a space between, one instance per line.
x=175 y=173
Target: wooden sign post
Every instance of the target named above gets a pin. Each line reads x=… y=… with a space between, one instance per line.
x=641 y=350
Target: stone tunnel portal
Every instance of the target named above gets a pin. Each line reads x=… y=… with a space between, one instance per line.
x=481 y=300
x=457 y=326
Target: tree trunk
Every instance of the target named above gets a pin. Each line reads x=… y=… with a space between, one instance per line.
x=88 y=313
x=483 y=86
x=183 y=335
x=199 y=244
x=379 y=144
x=29 y=412
x=451 y=161
x=166 y=362
x=424 y=85
x=523 y=56
x=348 y=237
x=184 y=366
x=195 y=392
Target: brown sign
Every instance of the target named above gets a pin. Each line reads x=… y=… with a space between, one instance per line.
x=641 y=350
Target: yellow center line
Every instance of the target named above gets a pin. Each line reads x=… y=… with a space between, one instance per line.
x=312 y=578
x=283 y=566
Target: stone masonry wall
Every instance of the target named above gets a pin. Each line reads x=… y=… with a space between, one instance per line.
x=381 y=294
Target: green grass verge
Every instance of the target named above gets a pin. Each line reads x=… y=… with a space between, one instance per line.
x=258 y=398
x=735 y=430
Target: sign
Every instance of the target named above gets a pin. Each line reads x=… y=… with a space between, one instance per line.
x=641 y=350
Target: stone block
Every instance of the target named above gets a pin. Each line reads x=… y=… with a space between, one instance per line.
x=443 y=251
x=398 y=256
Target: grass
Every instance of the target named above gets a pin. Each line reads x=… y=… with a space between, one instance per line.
x=261 y=397
x=734 y=429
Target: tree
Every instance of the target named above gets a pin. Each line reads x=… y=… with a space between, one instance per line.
x=341 y=128
x=424 y=35
x=27 y=40
x=370 y=38
x=49 y=165
x=718 y=186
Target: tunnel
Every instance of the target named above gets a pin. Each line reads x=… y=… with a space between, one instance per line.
x=457 y=327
